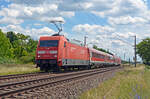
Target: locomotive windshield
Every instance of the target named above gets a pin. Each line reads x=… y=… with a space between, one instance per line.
x=48 y=43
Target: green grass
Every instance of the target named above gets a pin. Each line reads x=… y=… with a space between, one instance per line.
x=8 y=69
x=132 y=83
x=5 y=60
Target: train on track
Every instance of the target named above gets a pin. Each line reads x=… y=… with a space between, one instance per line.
x=57 y=52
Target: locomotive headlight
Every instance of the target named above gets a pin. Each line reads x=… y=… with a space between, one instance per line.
x=53 y=52
x=41 y=52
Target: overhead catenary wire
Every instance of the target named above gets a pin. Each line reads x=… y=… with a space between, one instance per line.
x=122 y=40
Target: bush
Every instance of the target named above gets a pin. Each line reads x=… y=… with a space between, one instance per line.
x=6 y=60
x=147 y=67
x=27 y=59
x=5 y=46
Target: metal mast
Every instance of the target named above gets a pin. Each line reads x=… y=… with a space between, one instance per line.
x=135 y=51
x=85 y=40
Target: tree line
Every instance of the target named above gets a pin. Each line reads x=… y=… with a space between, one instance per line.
x=17 y=46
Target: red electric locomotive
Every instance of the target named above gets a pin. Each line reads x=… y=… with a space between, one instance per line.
x=55 y=52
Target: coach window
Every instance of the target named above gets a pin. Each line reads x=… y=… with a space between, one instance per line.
x=93 y=54
x=64 y=44
x=103 y=56
x=96 y=55
x=99 y=56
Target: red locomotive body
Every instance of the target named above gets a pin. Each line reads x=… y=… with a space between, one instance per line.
x=74 y=54
x=55 y=52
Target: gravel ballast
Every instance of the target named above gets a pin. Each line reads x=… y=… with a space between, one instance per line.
x=73 y=89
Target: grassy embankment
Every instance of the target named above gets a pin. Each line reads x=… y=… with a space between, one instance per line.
x=8 y=69
x=10 y=66
x=132 y=83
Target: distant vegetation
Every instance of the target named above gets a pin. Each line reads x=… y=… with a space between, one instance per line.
x=101 y=49
x=16 y=47
x=143 y=50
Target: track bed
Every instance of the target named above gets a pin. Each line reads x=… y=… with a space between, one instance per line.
x=27 y=88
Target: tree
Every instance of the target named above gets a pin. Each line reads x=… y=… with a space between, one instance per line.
x=143 y=50
x=12 y=36
x=23 y=45
x=32 y=44
x=101 y=49
x=17 y=46
x=5 y=46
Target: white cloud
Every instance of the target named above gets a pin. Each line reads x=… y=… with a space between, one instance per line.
x=48 y=19
x=123 y=35
x=9 y=12
x=44 y=12
x=117 y=43
x=15 y=28
x=9 y=20
x=71 y=5
x=124 y=8
x=86 y=5
x=92 y=29
x=98 y=7
x=44 y=30
x=126 y=20
x=37 y=24
x=67 y=14
x=33 y=32
x=30 y=2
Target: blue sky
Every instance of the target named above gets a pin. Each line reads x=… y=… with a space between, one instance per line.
x=109 y=24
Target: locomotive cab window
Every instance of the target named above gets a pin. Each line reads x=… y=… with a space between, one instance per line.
x=48 y=43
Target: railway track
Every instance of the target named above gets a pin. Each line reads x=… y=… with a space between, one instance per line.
x=29 y=76
x=22 y=77
x=17 y=89
x=17 y=75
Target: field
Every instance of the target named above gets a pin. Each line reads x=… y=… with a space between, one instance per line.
x=131 y=83
x=7 y=69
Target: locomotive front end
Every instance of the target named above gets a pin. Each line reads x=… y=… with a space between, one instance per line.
x=47 y=53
